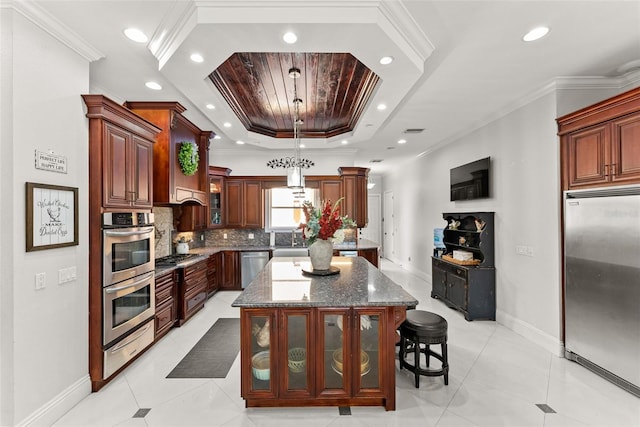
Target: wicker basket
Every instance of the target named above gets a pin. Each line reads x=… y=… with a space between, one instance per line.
x=297 y=359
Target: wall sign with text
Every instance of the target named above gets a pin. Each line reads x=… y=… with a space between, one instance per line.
x=52 y=216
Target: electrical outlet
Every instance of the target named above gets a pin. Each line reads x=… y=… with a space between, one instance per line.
x=224 y=236
x=250 y=236
x=529 y=251
x=40 y=280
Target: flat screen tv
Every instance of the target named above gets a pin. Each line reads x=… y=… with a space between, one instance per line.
x=471 y=181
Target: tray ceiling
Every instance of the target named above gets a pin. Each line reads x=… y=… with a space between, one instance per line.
x=334 y=88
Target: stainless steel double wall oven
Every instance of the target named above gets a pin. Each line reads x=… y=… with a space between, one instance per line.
x=128 y=286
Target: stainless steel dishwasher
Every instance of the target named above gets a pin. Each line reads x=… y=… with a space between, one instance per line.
x=250 y=264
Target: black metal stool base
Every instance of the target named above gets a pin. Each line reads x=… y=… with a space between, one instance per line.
x=421 y=330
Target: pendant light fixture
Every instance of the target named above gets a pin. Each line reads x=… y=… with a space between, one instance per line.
x=294 y=164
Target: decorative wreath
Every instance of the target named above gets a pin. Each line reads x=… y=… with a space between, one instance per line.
x=188 y=158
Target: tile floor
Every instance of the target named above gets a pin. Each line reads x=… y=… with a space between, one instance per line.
x=496 y=379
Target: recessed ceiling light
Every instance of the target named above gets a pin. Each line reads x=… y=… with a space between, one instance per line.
x=196 y=57
x=535 y=34
x=153 y=85
x=290 y=37
x=210 y=106
x=402 y=141
x=344 y=142
x=226 y=124
x=217 y=137
x=302 y=146
x=382 y=107
x=386 y=60
x=136 y=35
x=240 y=142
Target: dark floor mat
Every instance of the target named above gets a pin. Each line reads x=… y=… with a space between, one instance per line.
x=214 y=354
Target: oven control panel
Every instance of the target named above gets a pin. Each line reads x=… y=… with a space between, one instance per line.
x=126 y=219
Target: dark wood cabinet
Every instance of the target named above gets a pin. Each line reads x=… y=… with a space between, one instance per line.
x=171 y=185
x=468 y=286
x=600 y=144
x=166 y=307
x=216 y=215
x=230 y=270
x=319 y=356
x=355 y=193
x=370 y=255
x=192 y=290
x=127 y=169
x=331 y=189
x=243 y=203
x=194 y=217
x=120 y=176
x=190 y=217
x=213 y=273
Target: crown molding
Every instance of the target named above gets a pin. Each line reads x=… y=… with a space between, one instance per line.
x=406 y=26
x=173 y=30
x=393 y=18
x=628 y=80
x=51 y=25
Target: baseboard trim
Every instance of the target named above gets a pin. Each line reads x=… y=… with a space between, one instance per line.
x=51 y=412
x=533 y=334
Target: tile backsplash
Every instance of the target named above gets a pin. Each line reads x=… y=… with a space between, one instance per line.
x=166 y=236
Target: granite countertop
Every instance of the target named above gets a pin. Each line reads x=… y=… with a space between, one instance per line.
x=210 y=250
x=359 y=284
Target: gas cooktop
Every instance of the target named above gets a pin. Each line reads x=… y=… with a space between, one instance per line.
x=173 y=259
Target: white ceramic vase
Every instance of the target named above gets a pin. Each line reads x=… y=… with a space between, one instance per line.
x=321 y=252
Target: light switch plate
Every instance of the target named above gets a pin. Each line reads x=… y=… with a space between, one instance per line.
x=40 y=280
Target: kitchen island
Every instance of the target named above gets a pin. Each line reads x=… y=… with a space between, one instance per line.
x=309 y=340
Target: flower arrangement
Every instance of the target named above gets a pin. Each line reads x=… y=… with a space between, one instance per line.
x=325 y=223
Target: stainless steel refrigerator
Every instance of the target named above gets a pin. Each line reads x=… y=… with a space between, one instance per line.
x=602 y=283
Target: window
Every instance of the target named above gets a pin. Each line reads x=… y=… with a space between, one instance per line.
x=284 y=209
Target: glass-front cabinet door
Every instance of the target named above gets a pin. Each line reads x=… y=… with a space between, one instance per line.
x=300 y=359
x=215 y=201
x=369 y=363
x=334 y=349
x=260 y=352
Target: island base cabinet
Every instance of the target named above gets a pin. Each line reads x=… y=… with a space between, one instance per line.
x=319 y=356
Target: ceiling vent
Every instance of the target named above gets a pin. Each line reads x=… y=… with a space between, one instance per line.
x=413 y=130
x=375 y=161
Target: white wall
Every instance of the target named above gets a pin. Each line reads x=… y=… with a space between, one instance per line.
x=44 y=352
x=525 y=198
x=252 y=162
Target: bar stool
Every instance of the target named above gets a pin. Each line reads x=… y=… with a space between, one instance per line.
x=424 y=327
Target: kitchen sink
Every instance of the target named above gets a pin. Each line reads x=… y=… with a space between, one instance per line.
x=287 y=251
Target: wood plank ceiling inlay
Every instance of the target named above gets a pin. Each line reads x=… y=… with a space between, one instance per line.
x=334 y=88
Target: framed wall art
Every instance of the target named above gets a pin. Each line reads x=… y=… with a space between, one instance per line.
x=52 y=216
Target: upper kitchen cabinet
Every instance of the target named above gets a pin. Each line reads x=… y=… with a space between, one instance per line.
x=170 y=183
x=600 y=144
x=243 y=206
x=122 y=149
x=355 y=193
x=216 y=216
x=331 y=189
